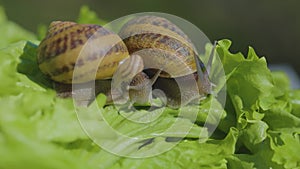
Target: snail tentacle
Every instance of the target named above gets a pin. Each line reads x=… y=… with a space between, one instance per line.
x=211 y=57
x=149 y=82
x=204 y=83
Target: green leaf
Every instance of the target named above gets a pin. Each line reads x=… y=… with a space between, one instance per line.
x=278 y=118
x=86 y=16
x=3 y=18
x=286 y=148
x=281 y=82
x=190 y=154
x=29 y=67
x=230 y=61
x=295 y=101
x=11 y=32
x=254 y=134
x=236 y=163
x=42 y=30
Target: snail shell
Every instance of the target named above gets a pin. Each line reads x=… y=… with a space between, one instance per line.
x=160 y=42
x=58 y=53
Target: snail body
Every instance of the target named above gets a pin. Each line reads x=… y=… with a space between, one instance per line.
x=144 y=42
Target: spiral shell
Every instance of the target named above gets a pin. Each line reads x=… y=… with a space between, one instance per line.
x=100 y=51
x=160 y=42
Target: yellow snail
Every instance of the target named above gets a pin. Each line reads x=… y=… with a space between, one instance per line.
x=143 y=42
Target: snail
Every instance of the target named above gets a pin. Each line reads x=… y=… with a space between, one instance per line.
x=157 y=40
x=150 y=42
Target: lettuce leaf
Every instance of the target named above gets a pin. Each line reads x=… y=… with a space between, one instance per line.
x=86 y=16
x=11 y=32
x=263 y=104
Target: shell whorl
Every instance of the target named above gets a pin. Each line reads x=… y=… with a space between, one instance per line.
x=91 y=48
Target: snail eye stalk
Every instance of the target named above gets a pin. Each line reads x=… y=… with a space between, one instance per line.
x=211 y=57
x=203 y=72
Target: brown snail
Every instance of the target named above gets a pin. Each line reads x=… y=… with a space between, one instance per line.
x=143 y=42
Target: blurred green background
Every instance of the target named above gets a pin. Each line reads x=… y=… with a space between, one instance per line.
x=272 y=27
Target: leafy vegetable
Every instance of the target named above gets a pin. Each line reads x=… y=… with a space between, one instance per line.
x=11 y=32
x=259 y=126
x=86 y=16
